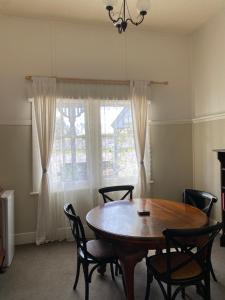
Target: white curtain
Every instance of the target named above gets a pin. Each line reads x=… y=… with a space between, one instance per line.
x=98 y=91
x=44 y=100
x=93 y=147
x=140 y=117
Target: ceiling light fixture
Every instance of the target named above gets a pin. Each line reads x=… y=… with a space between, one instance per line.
x=121 y=19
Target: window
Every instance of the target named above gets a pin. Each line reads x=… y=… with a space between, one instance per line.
x=94 y=144
x=118 y=152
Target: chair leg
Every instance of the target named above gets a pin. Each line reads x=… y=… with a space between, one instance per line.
x=212 y=273
x=102 y=269
x=77 y=273
x=162 y=289
x=177 y=291
x=117 y=268
x=200 y=290
x=183 y=293
x=148 y=284
x=207 y=286
x=124 y=285
x=112 y=271
x=169 y=291
x=86 y=279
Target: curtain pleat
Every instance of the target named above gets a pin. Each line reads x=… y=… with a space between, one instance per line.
x=44 y=91
x=71 y=90
x=87 y=136
x=139 y=104
x=94 y=147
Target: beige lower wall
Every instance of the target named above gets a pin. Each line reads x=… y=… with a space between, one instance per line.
x=208 y=136
x=171 y=159
x=15 y=173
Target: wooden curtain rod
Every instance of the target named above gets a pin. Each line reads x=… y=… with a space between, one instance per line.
x=98 y=81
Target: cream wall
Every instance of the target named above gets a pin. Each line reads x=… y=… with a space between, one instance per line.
x=172 y=160
x=206 y=137
x=208 y=94
x=208 y=65
x=55 y=48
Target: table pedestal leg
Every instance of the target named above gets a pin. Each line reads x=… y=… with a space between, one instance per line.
x=128 y=262
x=101 y=270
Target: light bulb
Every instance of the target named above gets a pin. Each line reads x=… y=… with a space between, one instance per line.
x=143 y=5
x=111 y=3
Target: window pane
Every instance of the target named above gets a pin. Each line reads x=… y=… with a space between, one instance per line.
x=69 y=158
x=77 y=152
x=118 y=152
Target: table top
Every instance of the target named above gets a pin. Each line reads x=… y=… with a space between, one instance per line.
x=120 y=220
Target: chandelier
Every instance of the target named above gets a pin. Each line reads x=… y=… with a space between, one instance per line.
x=120 y=19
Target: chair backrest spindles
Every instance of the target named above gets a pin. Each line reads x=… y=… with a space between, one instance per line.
x=76 y=227
x=202 y=200
x=195 y=243
x=127 y=188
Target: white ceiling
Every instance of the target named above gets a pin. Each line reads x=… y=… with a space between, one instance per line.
x=168 y=15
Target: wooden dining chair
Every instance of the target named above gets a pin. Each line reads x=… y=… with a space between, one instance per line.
x=128 y=189
x=187 y=264
x=105 y=191
x=203 y=201
x=200 y=199
x=93 y=252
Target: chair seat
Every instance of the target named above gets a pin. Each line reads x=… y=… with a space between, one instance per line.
x=100 y=249
x=190 y=270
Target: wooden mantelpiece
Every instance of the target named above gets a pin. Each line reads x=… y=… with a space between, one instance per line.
x=221 y=158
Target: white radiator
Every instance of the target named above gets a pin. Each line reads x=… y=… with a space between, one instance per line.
x=7 y=205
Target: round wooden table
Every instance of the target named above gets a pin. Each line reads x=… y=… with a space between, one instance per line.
x=133 y=235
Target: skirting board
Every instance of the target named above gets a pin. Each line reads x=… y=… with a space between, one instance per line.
x=29 y=237
x=25 y=238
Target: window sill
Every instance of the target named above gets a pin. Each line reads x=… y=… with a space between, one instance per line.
x=34 y=193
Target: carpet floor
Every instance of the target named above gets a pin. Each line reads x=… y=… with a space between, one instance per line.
x=47 y=272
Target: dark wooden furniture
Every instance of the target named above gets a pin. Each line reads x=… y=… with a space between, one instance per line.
x=133 y=235
x=95 y=252
x=128 y=189
x=189 y=265
x=200 y=199
x=106 y=193
x=221 y=158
